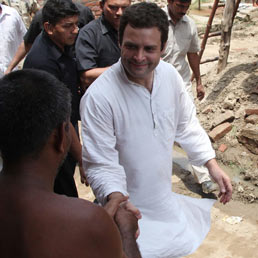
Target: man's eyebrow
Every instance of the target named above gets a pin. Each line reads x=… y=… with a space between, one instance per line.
x=130 y=43
x=69 y=23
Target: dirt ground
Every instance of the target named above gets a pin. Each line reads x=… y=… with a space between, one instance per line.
x=234 y=228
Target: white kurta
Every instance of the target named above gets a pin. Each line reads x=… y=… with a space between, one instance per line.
x=12 y=30
x=128 y=134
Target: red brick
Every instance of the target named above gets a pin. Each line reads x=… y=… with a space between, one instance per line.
x=219 y=131
x=251 y=111
x=223 y=147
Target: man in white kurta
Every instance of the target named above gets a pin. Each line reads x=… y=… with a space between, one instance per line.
x=12 y=30
x=128 y=132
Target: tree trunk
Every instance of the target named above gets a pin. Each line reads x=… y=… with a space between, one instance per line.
x=226 y=27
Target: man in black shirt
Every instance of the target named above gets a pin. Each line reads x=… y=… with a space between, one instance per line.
x=36 y=27
x=51 y=52
x=97 y=44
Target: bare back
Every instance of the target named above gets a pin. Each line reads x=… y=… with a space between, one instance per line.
x=38 y=223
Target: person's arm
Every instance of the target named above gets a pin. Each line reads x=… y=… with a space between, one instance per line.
x=89 y=76
x=221 y=179
x=195 y=141
x=126 y=221
x=87 y=49
x=21 y=52
x=100 y=156
x=194 y=62
x=128 y=226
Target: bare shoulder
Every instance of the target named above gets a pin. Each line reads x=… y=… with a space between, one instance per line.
x=93 y=229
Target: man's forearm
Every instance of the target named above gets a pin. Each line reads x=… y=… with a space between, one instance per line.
x=128 y=226
x=20 y=54
x=89 y=76
x=130 y=247
x=194 y=62
x=221 y=179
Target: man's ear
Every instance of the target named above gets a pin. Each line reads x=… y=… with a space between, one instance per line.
x=101 y=5
x=60 y=138
x=163 y=49
x=48 y=28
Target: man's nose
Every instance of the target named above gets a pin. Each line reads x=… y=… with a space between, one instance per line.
x=139 y=55
x=75 y=29
x=119 y=11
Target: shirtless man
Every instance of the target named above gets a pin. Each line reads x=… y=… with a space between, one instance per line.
x=34 y=221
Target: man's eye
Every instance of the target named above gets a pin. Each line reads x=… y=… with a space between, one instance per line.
x=113 y=8
x=149 y=49
x=130 y=47
x=67 y=26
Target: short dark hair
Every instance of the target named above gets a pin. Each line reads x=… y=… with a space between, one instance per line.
x=55 y=10
x=145 y=15
x=32 y=104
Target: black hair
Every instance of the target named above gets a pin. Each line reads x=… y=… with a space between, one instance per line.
x=55 y=10
x=145 y=15
x=32 y=104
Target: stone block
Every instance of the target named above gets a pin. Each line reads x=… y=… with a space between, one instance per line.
x=250 y=131
x=249 y=137
x=253 y=119
x=219 y=131
x=228 y=116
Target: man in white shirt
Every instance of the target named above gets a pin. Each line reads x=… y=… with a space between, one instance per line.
x=12 y=30
x=183 y=42
x=131 y=115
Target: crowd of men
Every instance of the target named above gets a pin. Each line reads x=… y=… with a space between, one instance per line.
x=125 y=75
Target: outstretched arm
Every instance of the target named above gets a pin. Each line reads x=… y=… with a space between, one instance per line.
x=221 y=179
x=128 y=226
x=194 y=61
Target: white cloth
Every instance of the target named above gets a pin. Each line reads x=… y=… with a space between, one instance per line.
x=182 y=39
x=12 y=30
x=128 y=135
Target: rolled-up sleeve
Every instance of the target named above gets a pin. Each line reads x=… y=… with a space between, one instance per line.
x=195 y=43
x=86 y=49
x=100 y=157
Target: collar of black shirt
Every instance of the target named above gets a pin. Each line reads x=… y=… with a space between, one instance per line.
x=106 y=26
x=56 y=51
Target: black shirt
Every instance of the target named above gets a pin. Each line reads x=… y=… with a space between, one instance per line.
x=36 y=25
x=97 y=45
x=45 y=55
